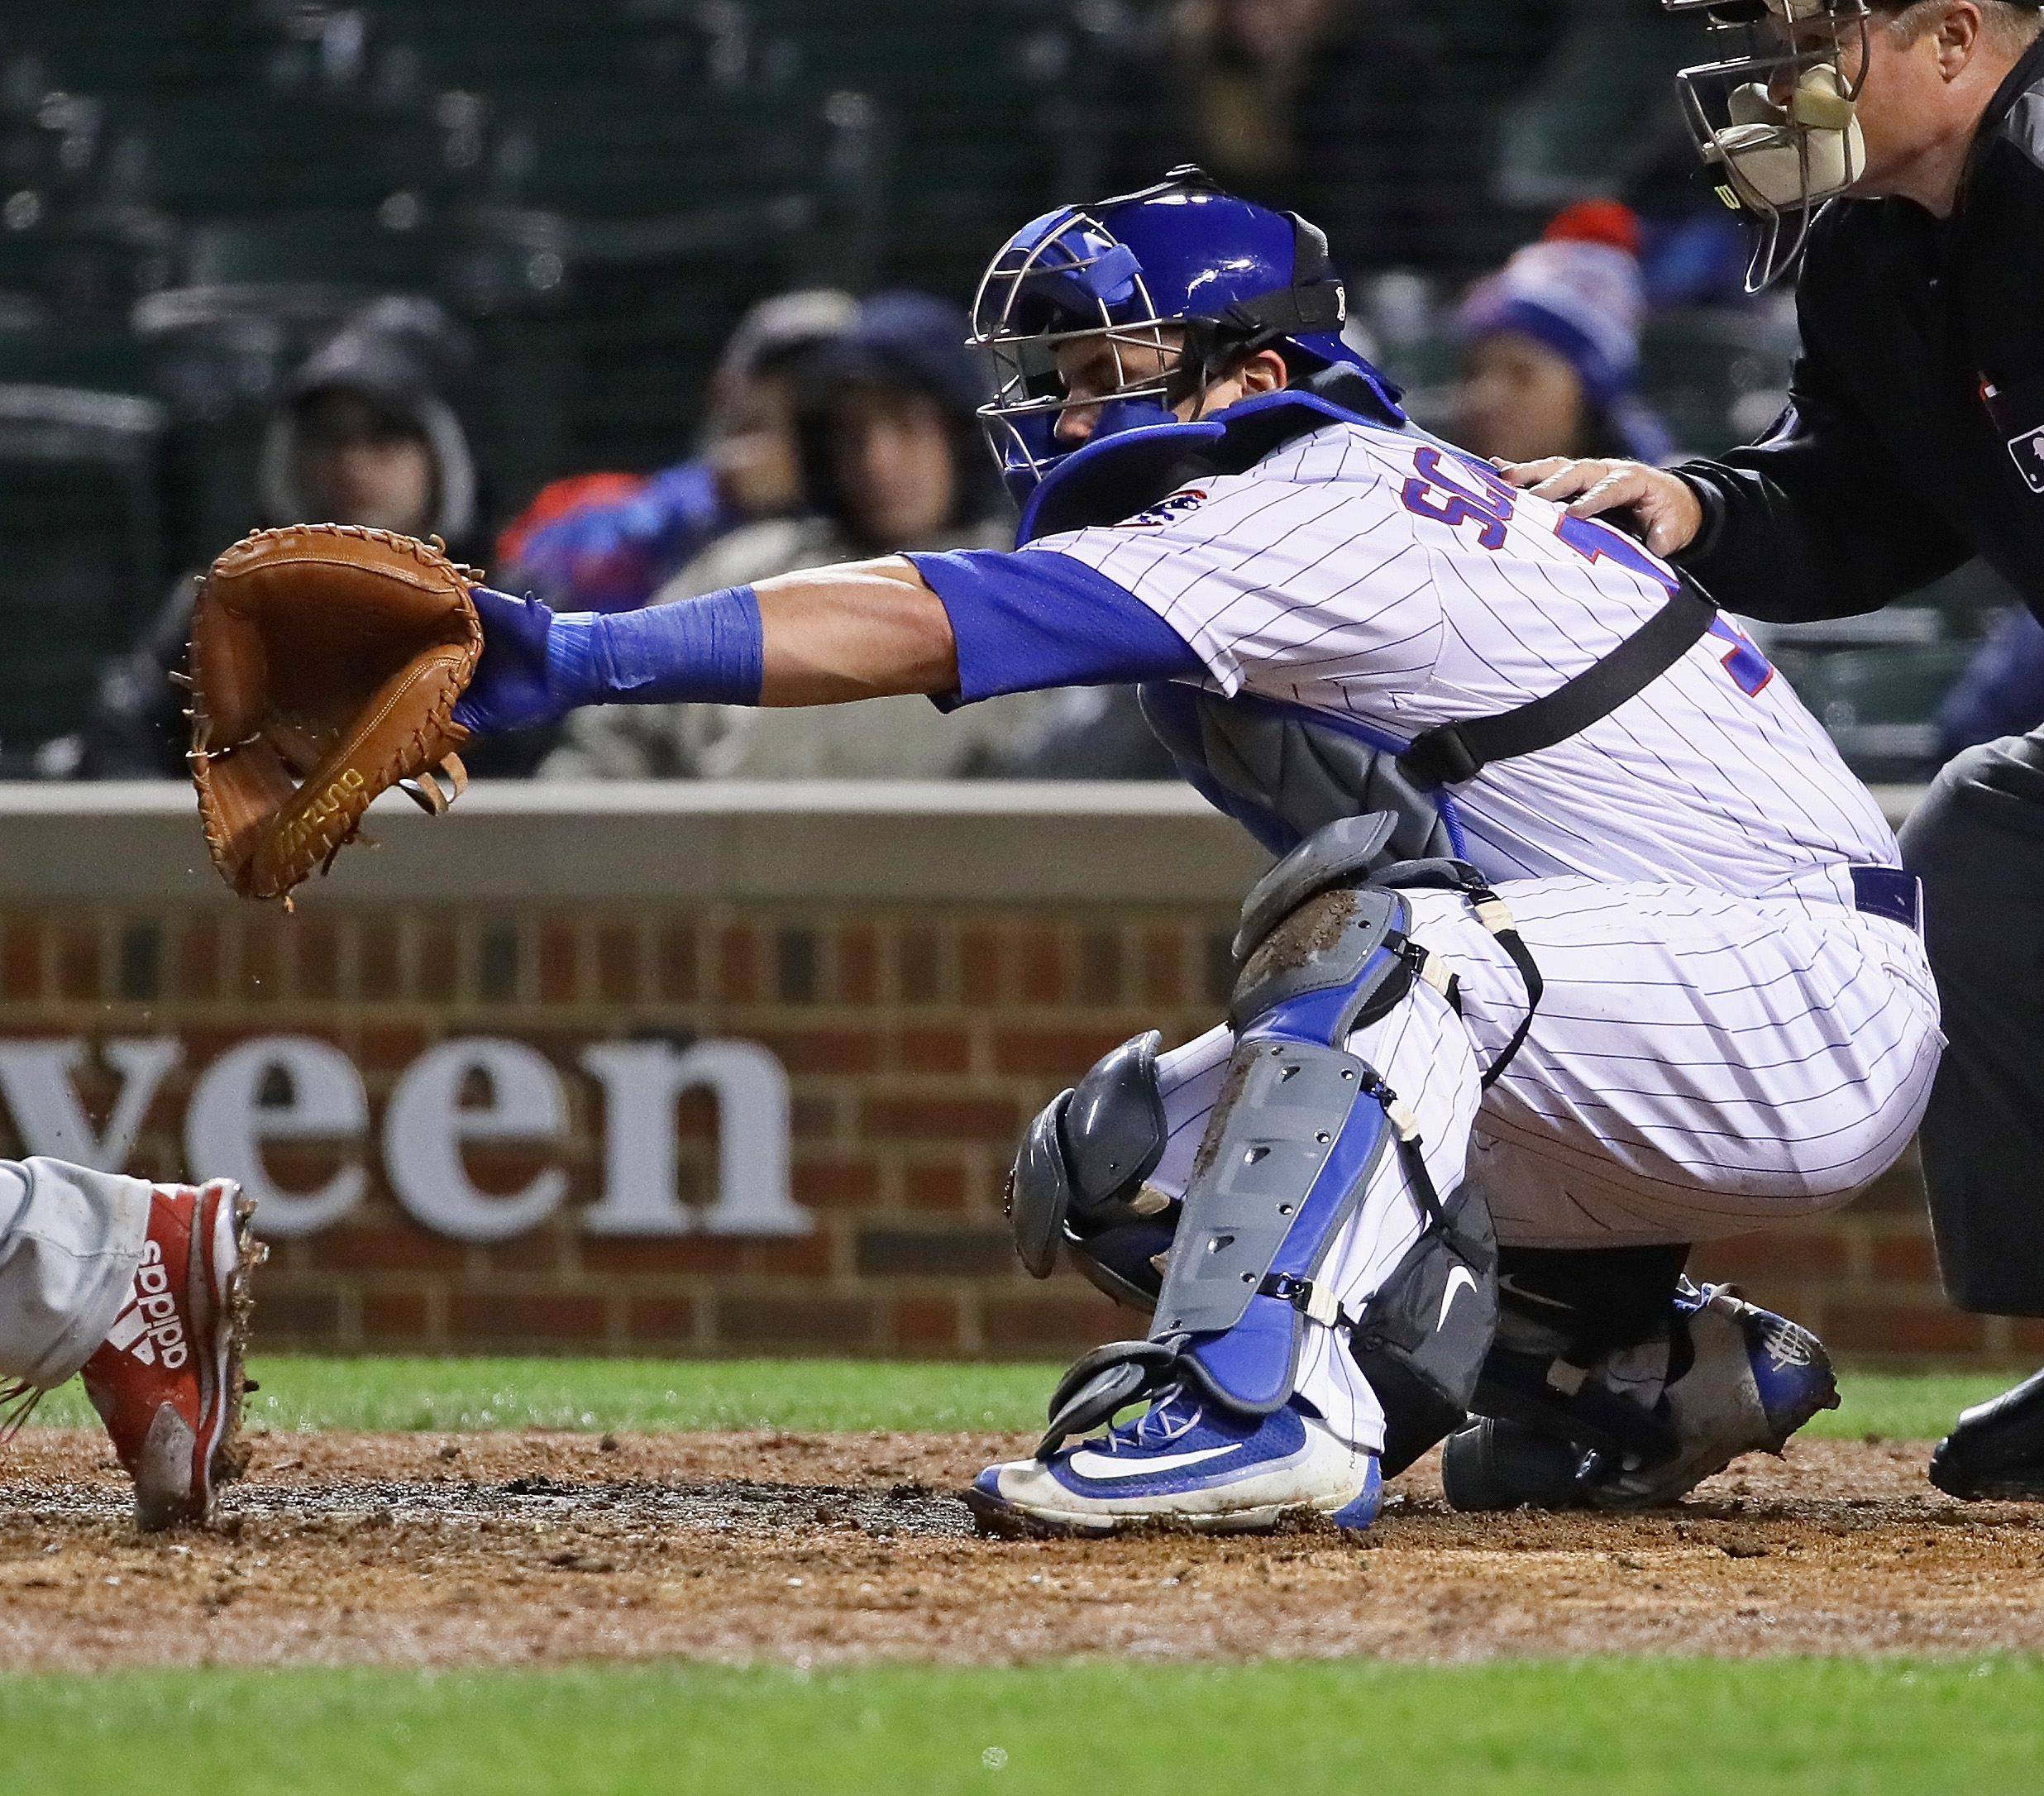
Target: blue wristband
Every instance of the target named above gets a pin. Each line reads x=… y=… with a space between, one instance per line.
x=706 y=651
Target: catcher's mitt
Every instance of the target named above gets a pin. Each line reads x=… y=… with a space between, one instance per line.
x=325 y=661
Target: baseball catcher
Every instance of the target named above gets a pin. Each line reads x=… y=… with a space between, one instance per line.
x=1580 y=943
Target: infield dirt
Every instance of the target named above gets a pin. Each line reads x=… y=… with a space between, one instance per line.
x=820 y=1549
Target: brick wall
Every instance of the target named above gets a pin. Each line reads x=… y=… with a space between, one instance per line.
x=928 y=978
x=917 y=1043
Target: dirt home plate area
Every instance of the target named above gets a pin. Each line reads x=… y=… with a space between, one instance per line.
x=824 y=1548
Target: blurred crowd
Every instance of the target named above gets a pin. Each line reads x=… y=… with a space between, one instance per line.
x=838 y=426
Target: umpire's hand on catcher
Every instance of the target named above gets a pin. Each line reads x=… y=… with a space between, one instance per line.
x=1663 y=509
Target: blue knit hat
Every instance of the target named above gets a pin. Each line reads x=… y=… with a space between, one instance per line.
x=1580 y=294
x=1578 y=291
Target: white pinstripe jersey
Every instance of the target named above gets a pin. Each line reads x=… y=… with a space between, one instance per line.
x=1369 y=574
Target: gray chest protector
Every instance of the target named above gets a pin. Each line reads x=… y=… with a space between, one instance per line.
x=1285 y=773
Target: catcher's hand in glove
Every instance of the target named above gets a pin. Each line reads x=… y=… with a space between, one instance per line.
x=514 y=686
x=326 y=661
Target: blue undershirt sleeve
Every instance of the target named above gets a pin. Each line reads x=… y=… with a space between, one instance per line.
x=706 y=650
x=1029 y=620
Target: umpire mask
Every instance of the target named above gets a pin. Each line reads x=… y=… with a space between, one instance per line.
x=1774 y=116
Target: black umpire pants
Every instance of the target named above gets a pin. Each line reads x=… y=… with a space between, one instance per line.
x=1977 y=841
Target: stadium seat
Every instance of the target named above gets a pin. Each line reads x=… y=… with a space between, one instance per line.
x=80 y=550
x=244 y=151
x=1612 y=70
x=1877 y=701
x=1716 y=377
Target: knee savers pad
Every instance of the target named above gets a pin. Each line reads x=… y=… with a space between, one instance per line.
x=1422 y=1338
x=1078 y=1178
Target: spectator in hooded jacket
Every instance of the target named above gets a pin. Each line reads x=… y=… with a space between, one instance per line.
x=609 y=541
x=363 y=434
x=1551 y=347
x=894 y=460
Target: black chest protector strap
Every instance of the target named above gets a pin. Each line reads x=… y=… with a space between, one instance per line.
x=1449 y=753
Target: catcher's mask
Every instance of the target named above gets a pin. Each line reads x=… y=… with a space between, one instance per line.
x=1775 y=117
x=1179 y=281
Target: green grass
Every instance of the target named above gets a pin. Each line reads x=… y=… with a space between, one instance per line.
x=1901 y=1406
x=1641 y=1727
x=303 y=1392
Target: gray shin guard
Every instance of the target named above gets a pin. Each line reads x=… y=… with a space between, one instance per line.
x=1301 y=1125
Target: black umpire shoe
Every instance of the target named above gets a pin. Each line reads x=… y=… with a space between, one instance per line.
x=1996 y=1449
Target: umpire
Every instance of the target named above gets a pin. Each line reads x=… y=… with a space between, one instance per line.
x=1914 y=439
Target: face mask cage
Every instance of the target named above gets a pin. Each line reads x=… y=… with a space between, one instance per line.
x=1076 y=287
x=1773 y=116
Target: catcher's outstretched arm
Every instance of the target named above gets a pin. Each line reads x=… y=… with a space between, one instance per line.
x=859 y=631
x=958 y=626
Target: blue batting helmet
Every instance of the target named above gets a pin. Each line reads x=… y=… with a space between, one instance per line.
x=1188 y=274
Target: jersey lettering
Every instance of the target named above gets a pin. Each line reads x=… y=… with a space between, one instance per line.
x=1596 y=542
x=1344 y=574
x=1491 y=506
x=1750 y=669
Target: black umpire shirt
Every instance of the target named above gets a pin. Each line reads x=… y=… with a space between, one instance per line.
x=1914 y=437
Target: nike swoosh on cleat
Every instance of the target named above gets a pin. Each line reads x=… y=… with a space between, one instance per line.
x=1102 y=1466
x=1448 y=1297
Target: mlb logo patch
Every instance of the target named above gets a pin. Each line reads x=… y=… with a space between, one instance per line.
x=1190 y=497
x=2028 y=449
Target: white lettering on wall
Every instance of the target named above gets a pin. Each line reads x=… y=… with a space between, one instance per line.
x=228 y=1122
x=426 y=1125
x=283 y=1088
x=640 y=1082
x=35 y=1076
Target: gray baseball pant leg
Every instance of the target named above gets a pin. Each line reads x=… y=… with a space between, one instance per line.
x=1977 y=841
x=70 y=1239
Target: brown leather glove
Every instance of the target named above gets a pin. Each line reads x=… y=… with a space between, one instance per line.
x=325 y=661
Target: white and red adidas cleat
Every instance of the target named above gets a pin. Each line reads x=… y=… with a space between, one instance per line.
x=167 y=1381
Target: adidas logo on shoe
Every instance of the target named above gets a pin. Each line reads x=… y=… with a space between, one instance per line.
x=149 y=1327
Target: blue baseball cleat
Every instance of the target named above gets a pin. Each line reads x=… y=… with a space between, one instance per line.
x=1752 y=1379
x=1186 y=1461
x=1757 y=1378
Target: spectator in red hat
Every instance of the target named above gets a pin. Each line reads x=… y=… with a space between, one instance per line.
x=1551 y=347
